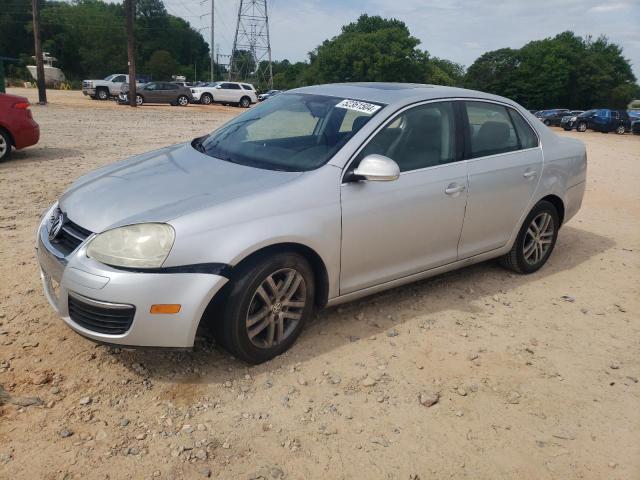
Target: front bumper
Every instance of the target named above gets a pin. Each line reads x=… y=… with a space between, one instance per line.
x=89 y=91
x=81 y=276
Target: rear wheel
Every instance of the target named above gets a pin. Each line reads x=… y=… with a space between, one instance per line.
x=139 y=100
x=5 y=145
x=268 y=303
x=582 y=127
x=206 y=99
x=620 y=129
x=183 y=101
x=245 y=102
x=535 y=241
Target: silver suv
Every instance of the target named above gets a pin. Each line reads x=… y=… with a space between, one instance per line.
x=319 y=196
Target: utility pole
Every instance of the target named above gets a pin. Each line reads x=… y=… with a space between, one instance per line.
x=42 y=89
x=130 y=13
x=212 y=38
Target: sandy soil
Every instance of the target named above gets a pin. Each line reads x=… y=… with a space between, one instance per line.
x=537 y=375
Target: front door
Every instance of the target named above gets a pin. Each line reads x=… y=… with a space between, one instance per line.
x=397 y=228
x=504 y=167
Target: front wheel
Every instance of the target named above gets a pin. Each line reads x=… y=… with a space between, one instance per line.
x=547 y=123
x=183 y=101
x=582 y=127
x=268 y=303
x=102 y=94
x=206 y=99
x=535 y=241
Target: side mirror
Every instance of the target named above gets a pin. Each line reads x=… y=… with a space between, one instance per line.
x=377 y=168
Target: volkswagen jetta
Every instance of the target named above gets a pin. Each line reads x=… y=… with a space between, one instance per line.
x=321 y=195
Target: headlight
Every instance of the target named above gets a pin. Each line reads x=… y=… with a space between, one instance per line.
x=145 y=245
x=573 y=119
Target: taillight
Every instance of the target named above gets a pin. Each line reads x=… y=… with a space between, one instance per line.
x=21 y=105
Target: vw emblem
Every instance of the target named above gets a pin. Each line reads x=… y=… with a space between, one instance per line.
x=56 y=225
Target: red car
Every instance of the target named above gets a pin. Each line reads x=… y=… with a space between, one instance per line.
x=18 y=129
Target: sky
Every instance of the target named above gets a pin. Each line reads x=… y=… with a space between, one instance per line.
x=458 y=30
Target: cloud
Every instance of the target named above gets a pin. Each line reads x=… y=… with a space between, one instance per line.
x=612 y=7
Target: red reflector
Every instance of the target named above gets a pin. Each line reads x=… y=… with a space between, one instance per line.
x=21 y=105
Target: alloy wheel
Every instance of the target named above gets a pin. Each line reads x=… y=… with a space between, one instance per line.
x=538 y=238
x=582 y=127
x=183 y=101
x=3 y=146
x=276 y=308
x=206 y=99
x=139 y=100
x=620 y=129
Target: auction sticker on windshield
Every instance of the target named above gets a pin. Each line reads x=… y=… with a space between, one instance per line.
x=359 y=106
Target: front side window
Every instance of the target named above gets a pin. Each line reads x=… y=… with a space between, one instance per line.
x=119 y=79
x=490 y=129
x=421 y=137
x=291 y=132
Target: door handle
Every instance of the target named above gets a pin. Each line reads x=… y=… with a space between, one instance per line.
x=454 y=188
x=529 y=174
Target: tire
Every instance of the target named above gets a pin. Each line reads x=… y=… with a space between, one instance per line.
x=522 y=258
x=183 y=101
x=581 y=127
x=5 y=145
x=245 y=102
x=620 y=130
x=206 y=99
x=102 y=94
x=293 y=278
x=547 y=123
x=139 y=100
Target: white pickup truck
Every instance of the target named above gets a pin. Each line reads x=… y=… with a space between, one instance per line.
x=110 y=87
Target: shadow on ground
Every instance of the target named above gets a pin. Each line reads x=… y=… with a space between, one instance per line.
x=361 y=319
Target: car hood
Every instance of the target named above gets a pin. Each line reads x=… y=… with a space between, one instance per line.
x=161 y=185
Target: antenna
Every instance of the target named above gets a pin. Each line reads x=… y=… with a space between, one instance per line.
x=251 y=53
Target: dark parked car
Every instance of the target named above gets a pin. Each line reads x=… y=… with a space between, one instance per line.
x=568 y=121
x=604 y=120
x=18 y=129
x=158 y=92
x=635 y=127
x=268 y=94
x=552 y=117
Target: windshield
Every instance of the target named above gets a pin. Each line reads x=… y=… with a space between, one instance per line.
x=293 y=132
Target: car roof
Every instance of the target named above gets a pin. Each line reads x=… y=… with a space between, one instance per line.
x=395 y=93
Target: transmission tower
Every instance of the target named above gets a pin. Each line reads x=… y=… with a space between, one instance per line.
x=251 y=53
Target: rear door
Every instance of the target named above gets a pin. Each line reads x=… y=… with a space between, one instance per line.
x=504 y=165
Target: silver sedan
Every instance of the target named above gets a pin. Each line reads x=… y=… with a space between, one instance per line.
x=319 y=196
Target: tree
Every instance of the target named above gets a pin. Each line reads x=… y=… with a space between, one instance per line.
x=372 y=49
x=563 y=71
x=161 y=65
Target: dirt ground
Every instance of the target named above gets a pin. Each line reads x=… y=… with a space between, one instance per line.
x=537 y=375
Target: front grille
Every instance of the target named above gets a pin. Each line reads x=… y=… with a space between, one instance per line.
x=101 y=317
x=70 y=237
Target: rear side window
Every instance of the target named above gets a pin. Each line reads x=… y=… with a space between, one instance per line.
x=526 y=135
x=246 y=87
x=491 y=129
